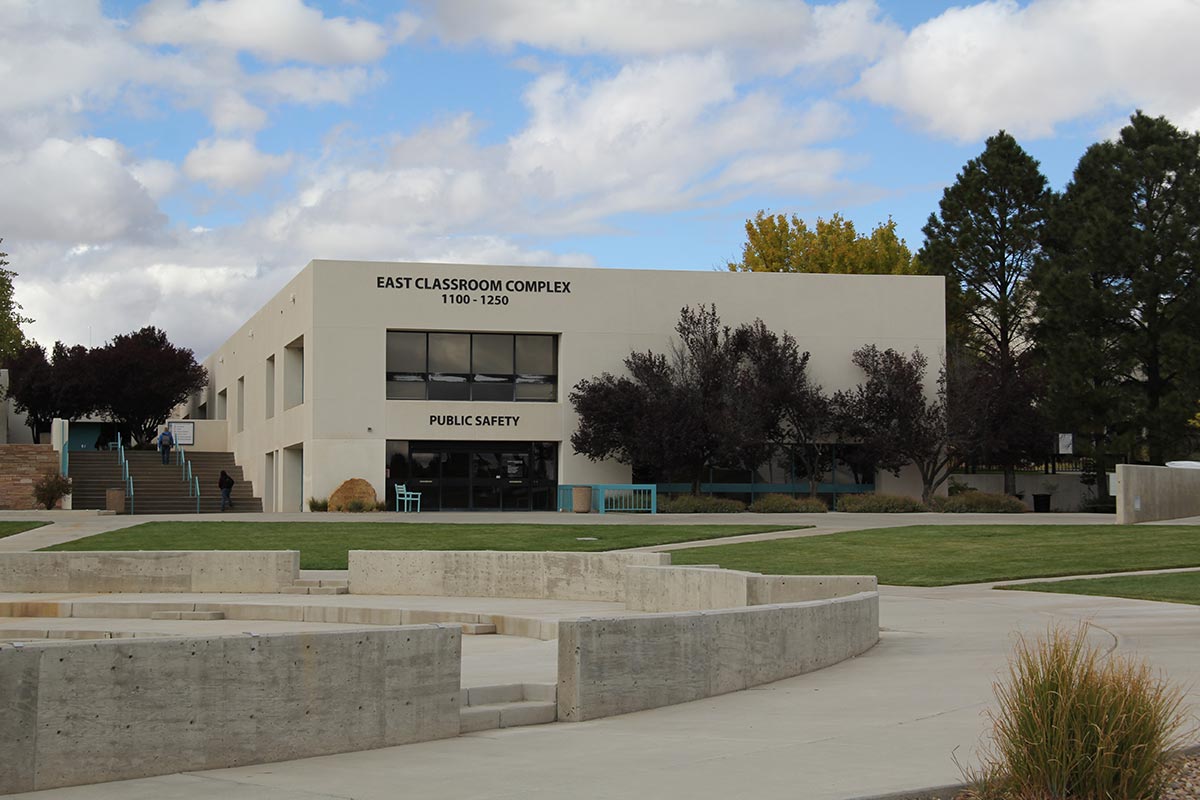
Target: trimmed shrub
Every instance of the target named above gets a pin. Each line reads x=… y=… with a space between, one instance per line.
x=878 y=504
x=1072 y=722
x=321 y=504
x=357 y=506
x=786 y=504
x=978 y=502
x=699 y=504
x=50 y=488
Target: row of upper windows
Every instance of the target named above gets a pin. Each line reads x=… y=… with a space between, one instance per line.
x=496 y=367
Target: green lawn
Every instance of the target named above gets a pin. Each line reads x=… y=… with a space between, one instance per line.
x=323 y=545
x=927 y=555
x=10 y=528
x=1179 y=587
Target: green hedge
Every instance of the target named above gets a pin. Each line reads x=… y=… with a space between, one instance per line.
x=878 y=504
x=699 y=504
x=979 y=502
x=786 y=504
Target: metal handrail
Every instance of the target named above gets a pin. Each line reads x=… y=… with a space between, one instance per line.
x=130 y=494
x=196 y=483
x=64 y=459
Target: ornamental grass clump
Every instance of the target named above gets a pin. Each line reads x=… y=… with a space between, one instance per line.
x=1075 y=724
x=879 y=504
x=786 y=504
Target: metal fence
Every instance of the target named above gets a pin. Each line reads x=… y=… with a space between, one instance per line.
x=618 y=497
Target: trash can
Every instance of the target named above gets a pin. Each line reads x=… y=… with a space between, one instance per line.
x=114 y=500
x=1041 y=503
x=581 y=499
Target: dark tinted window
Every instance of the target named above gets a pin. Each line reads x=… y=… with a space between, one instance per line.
x=492 y=353
x=488 y=367
x=405 y=351
x=450 y=352
x=535 y=355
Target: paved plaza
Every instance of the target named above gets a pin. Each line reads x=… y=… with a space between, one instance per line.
x=888 y=721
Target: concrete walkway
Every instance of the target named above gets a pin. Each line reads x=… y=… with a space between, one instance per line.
x=888 y=721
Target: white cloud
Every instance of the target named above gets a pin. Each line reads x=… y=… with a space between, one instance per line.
x=652 y=137
x=1029 y=68
x=62 y=57
x=232 y=112
x=312 y=86
x=232 y=164
x=276 y=30
x=156 y=176
x=780 y=34
x=75 y=191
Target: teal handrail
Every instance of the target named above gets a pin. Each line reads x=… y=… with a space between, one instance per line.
x=64 y=458
x=130 y=492
x=196 y=484
x=628 y=497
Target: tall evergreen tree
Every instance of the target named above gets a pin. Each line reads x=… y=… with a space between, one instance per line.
x=985 y=239
x=1118 y=300
x=12 y=339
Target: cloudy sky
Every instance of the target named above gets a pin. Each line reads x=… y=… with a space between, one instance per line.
x=174 y=162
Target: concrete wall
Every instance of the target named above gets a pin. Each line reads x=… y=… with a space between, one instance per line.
x=1066 y=491
x=610 y=666
x=20 y=466
x=74 y=713
x=180 y=571
x=211 y=435
x=487 y=573
x=696 y=588
x=1146 y=493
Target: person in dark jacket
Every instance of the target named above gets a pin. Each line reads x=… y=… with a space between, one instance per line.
x=225 y=484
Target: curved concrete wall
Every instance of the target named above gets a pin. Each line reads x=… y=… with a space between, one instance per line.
x=490 y=573
x=106 y=710
x=696 y=588
x=622 y=664
x=150 y=571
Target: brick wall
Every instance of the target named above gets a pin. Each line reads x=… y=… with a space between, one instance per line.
x=20 y=466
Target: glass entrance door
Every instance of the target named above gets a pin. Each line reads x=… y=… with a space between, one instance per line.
x=483 y=476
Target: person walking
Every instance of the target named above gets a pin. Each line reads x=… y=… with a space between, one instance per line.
x=165 y=442
x=225 y=484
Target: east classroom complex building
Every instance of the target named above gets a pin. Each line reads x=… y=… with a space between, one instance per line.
x=454 y=379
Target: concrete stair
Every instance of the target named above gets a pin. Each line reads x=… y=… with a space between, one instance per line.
x=508 y=706
x=318 y=586
x=158 y=488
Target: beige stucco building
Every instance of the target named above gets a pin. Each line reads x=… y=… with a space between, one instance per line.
x=454 y=378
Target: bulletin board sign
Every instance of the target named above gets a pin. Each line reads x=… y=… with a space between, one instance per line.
x=183 y=432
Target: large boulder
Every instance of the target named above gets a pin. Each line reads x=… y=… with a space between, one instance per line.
x=353 y=489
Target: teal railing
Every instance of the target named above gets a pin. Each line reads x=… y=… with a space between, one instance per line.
x=185 y=471
x=617 y=497
x=129 y=491
x=64 y=457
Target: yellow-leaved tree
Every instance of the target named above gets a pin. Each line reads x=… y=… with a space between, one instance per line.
x=777 y=243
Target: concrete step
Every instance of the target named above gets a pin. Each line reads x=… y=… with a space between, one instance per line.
x=509 y=693
x=506 y=715
x=321 y=582
x=316 y=590
x=205 y=615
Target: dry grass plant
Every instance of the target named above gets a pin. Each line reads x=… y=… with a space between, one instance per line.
x=1075 y=724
